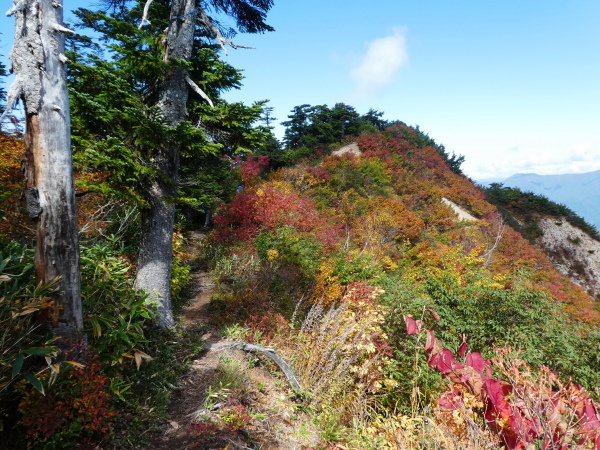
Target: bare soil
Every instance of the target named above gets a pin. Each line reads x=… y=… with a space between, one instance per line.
x=190 y=396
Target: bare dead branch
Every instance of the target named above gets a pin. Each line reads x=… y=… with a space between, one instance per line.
x=145 y=19
x=286 y=369
x=209 y=26
x=61 y=29
x=103 y=216
x=20 y=5
x=14 y=94
x=488 y=255
x=197 y=90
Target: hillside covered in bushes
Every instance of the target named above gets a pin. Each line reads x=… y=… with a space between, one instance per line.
x=405 y=326
x=333 y=259
x=172 y=275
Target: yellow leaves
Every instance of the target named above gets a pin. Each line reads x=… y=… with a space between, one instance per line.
x=138 y=356
x=75 y=364
x=388 y=264
x=289 y=178
x=390 y=383
x=327 y=287
x=179 y=242
x=54 y=371
x=502 y=422
x=272 y=254
x=472 y=401
x=283 y=186
x=395 y=432
x=33 y=306
x=379 y=224
x=473 y=257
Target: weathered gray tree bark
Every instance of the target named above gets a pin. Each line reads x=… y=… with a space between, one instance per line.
x=38 y=62
x=156 y=250
x=154 y=262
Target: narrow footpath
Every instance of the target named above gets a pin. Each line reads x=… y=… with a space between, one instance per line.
x=191 y=395
x=277 y=421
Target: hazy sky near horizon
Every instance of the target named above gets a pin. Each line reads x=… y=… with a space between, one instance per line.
x=514 y=86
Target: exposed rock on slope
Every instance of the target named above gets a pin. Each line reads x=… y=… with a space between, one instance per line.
x=566 y=189
x=574 y=253
x=352 y=149
x=461 y=212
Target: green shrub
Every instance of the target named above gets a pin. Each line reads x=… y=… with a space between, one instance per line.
x=180 y=268
x=115 y=315
x=355 y=266
x=491 y=316
x=292 y=156
x=367 y=177
x=22 y=346
x=285 y=246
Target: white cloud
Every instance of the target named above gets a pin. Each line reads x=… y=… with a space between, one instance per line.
x=582 y=157
x=380 y=64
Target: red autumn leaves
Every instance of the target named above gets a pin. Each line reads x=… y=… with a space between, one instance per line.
x=554 y=414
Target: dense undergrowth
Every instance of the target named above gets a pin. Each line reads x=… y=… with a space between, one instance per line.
x=345 y=248
x=111 y=390
x=356 y=272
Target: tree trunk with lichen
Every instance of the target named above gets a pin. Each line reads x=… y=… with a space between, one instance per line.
x=38 y=62
x=156 y=249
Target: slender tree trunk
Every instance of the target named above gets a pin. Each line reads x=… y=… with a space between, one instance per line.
x=38 y=61
x=156 y=252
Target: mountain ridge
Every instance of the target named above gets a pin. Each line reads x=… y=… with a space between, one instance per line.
x=566 y=189
x=376 y=240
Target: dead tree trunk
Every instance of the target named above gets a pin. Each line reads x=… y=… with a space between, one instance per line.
x=156 y=251
x=38 y=62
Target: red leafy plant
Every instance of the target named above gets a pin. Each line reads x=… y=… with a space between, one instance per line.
x=267 y=327
x=269 y=207
x=251 y=168
x=522 y=408
x=212 y=433
x=79 y=401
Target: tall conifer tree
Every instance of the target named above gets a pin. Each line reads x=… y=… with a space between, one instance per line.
x=164 y=53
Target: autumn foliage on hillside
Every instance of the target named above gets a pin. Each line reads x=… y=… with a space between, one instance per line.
x=12 y=217
x=268 y=207
x=303 y=236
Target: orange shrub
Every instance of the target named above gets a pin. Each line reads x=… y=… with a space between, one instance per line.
x=13 y=220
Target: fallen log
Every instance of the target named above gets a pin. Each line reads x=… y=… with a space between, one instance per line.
x=285 y=368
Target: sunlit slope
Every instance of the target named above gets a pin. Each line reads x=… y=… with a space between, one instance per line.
x=385 y=207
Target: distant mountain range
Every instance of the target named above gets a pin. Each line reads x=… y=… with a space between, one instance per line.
x=579 y=192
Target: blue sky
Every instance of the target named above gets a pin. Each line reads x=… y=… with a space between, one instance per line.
x=512 y=85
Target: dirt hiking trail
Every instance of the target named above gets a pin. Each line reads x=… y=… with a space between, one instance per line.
x=276 y=422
